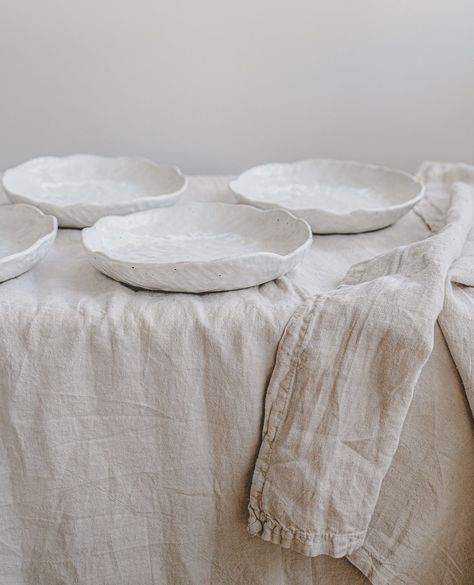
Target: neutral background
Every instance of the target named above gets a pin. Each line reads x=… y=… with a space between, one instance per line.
x=216 y=86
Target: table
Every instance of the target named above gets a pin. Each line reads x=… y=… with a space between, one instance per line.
x=131 y=421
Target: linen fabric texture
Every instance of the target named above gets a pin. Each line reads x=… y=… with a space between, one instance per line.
x=130 y=421
x=343 y=381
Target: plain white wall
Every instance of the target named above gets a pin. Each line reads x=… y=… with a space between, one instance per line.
x=217 y=86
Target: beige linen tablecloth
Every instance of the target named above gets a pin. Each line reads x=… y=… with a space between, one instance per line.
x=131 y=422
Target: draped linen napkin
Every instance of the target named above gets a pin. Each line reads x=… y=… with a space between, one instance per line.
x=343 y=380
x=457 y=317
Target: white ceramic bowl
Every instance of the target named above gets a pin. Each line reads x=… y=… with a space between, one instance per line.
x=26 y=234
x=332 y=196
x=81 y=188
x=199 y=247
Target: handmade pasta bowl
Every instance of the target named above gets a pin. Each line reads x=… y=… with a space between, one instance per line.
x=81 y=188
x=26 y=234
x=332 y=196
x=200 y=247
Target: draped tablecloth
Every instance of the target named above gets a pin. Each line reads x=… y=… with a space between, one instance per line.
x=131 y=422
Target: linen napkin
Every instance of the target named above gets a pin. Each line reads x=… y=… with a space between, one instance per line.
x=457 y=317
x=343 y=380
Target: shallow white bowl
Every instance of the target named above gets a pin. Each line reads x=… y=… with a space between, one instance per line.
x=81 y=188
x=332 y=196
x=26 y=234
x=199 y=247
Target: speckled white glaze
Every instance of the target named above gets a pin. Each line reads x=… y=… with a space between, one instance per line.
x=81 y=188
x=26 y=234
x=200 y=247
x=332 y=196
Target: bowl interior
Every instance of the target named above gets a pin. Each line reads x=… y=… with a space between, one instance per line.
x=21 y=227
x=196 y=232
x=91 y=179
x=336 y=186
